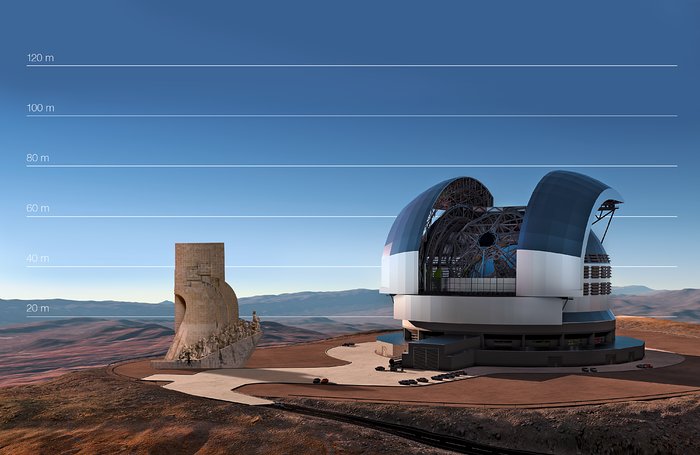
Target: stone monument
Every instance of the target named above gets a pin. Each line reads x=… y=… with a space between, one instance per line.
x=208 y=331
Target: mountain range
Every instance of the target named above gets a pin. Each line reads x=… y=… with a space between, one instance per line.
x=356 y=306
x=681 y=305
x=361 y=303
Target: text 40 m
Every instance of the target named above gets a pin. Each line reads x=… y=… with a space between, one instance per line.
x=38 y=259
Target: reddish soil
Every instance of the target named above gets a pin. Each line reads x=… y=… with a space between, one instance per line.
x=311 y=354
x=505 y=390
x=30 y=353
x=661 y=427
x=531 y=390
x=35 y=352
x=93 y=412
x=680 y=337
x=142 y=368
x=305 y=355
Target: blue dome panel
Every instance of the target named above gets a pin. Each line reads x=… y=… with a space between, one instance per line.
x=558 y=215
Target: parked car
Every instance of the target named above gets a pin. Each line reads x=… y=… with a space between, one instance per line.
x=422 y=379
x=349 y=344
x=645 y=365
x=584 y=369
x=380 y=368
x=437 y=377
x=324 y=381
x=317 y=380
x=593 y=369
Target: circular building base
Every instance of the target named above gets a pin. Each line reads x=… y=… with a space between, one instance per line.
x=455 y=352
x=624 y=349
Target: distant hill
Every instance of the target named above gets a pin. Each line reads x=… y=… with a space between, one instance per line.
x=23 y=311
x=681 y=305
x=359 y=302
x=632 y=290
x=356 y=302
x=339 y=326
x=329 y=312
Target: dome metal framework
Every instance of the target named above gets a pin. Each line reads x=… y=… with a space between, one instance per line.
x=470 y=242
x=463 y=191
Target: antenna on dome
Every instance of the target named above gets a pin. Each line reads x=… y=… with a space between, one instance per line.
x=608 y=208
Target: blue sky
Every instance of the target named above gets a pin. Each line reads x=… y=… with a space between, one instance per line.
x=307 y=32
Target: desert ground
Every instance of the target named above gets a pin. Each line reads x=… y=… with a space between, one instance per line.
x=109 y=410
x=35 y=352
x=95 y=412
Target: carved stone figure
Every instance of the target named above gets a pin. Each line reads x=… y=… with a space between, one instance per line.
x=208 y=332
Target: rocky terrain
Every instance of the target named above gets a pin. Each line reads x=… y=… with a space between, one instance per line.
x=671 y=327
x=41 y=339
x=663 y=426
x=94 y=412
x=41 y=350
x=681 y=305
x=669 y=426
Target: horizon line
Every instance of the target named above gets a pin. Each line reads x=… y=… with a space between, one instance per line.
x=305 y=292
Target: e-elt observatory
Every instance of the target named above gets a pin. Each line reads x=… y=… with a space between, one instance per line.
x=478 y=284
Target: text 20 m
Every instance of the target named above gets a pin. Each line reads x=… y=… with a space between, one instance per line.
x=36 y=308
x=38 y=57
